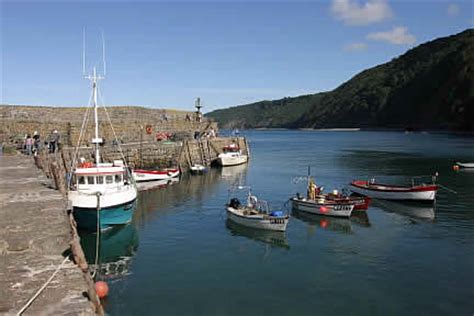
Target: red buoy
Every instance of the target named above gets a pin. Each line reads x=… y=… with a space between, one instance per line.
x=102 y=289
x=323 y=223
x=455 y=167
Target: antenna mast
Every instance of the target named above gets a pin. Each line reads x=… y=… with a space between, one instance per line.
x=94 y=78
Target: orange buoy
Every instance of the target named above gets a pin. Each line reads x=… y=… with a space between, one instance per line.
x=102 y=289
x=455 y=167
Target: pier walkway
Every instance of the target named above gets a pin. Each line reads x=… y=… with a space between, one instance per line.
x=34 y=234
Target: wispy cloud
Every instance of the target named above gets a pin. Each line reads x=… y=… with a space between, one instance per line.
x=452 y=10
x=398 y=35
x=356 y=47
x=352 y=13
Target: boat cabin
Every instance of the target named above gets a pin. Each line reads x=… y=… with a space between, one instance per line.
x=232 y=148
x=104 y=175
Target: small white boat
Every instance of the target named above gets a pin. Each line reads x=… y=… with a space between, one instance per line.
x=231 y=156
x=256 y=214
x=421 y=192
x=141 y=175
x=198 y=169
x=465 y=164
x=322 y=206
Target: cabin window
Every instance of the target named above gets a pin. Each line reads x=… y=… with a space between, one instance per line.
x=90 y=180
x=100 y=180
x=109 y=179
x=118 y=178
x=81 y=180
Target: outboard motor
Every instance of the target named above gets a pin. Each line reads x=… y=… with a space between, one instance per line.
x=234 y=203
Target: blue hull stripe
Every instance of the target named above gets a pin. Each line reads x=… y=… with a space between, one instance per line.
x=86 y=218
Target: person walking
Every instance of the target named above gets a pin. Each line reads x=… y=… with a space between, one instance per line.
x=29 y=144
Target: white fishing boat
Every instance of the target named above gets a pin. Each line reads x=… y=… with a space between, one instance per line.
x=256 y=213
x=103 y=194
x=231 y=156
x=142 y=175
x=322 y=206
x=414 y=192
x=465 y=164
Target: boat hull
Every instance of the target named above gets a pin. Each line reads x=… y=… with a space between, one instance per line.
x=327 y=209
x=86 y=218
x=465 y=164
x=427 y=193
x=227 y=160
x=152 y=175
x=258 y=221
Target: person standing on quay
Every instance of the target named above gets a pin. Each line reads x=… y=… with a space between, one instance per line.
x=29 y=144
x=36 y=142
x=54 y=141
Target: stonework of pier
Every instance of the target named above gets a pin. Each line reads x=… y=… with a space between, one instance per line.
x=35 y=236
x=131 y=123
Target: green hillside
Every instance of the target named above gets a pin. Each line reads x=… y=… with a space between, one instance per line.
x=429 y=87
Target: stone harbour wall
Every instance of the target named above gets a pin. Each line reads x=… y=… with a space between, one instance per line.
x=131 y=124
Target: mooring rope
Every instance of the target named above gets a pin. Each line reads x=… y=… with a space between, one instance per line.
x=25 y=307
x=97 y=238
x=447 y=189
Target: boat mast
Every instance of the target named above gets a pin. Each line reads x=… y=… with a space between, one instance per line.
x=94 y=78
x=96 y=119
x=96 y=140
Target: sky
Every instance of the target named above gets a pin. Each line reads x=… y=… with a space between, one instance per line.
x=166 y=54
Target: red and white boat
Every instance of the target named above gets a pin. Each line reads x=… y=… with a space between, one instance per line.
x=322 y=206
x=421 y=192
x=360 y=202
x=141 y=175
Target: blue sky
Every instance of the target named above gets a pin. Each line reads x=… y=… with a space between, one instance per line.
x=165 y=54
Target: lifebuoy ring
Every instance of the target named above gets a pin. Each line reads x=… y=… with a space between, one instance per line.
x=149 y=129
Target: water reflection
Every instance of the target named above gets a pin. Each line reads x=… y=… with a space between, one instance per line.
x=342 y=225
x=159 y=184
x=167 y=198
x=117 y=246
x=411 y=209
x=274 y=238
x=234 y=174
x=337 y=224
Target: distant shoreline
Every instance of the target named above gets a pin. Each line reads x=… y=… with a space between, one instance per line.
x=358 y=129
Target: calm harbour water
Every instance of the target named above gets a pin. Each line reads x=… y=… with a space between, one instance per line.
x=181 y=256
